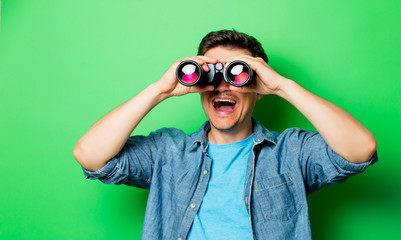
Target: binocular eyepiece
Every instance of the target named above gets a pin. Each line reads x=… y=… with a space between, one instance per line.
x=190 y=73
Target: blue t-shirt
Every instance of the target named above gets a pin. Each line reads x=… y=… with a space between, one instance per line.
x=222 y=214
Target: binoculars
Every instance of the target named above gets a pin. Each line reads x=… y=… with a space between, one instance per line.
x=190 y=73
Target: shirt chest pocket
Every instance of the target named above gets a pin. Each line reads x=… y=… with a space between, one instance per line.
x=277 y=197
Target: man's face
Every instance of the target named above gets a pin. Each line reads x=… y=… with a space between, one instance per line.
x=228 y=111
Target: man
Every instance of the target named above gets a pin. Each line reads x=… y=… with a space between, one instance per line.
x=233 y=179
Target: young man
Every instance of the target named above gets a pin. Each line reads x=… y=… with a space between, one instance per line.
x=233 y=179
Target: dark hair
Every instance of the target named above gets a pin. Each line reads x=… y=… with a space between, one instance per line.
x=234 y=39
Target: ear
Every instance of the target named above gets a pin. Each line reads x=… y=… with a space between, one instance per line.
x=258 y=96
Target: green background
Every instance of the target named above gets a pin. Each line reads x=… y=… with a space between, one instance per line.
x=65 y=64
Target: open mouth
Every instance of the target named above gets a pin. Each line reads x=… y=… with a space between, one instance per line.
x=224 y=104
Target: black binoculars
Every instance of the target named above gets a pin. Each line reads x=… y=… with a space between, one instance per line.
x=190 y=73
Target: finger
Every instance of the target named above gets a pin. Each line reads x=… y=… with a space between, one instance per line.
x=206 y=61
x=205 y=67
x=202 y=61
x=244 y=58
x=256 y=63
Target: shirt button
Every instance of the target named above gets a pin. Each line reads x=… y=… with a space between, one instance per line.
x=193 y=205
x=179 y=239
x=205 y=172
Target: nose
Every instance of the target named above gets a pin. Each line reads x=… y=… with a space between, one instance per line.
x=222 y=86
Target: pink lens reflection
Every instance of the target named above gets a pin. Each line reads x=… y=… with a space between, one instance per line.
x=241 y=78
x=189 y=78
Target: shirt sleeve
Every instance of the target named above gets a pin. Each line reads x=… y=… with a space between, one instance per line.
x=320 y=165
x=133 y=164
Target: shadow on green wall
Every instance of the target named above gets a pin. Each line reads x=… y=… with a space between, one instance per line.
x=351 y=204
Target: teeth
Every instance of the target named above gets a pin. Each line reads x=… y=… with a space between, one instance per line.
x=224 y=100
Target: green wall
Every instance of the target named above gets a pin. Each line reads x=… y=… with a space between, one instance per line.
x=64 y=64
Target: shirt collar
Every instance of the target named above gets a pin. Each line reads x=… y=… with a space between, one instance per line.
x=261 y=134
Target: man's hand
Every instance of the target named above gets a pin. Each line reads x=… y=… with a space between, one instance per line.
x=266 y=80
x=108 y=135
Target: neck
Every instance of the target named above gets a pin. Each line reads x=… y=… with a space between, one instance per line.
x=225 y=136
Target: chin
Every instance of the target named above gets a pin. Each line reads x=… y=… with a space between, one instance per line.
x=224 y=126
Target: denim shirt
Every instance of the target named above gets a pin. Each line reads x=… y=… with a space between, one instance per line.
x=282 y=169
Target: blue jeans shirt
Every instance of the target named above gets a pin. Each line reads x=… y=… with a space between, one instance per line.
x=282 y=169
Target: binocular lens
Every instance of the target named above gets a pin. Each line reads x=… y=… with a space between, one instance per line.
x=239 y=73
x=188 y=73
